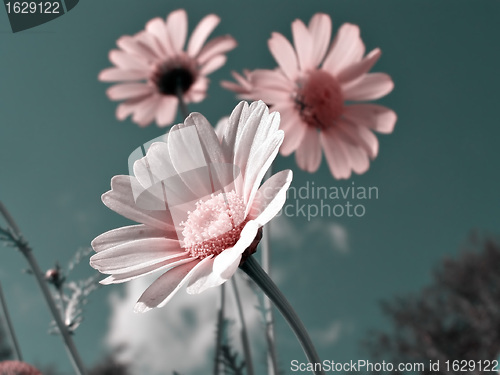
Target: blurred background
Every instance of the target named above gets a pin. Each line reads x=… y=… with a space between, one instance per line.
x=436 y=175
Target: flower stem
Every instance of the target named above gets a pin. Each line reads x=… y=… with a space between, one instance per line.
x=253 y=269
x=182 y=103
x=24 y=248
x=220 y=329
x=272 y=357
x=243 y=330
x=10 y=327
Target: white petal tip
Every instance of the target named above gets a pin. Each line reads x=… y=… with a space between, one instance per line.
x=141 y=307
x=106 y=281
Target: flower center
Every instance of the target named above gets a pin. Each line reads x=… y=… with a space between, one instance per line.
x=215 y=225
x=171 y=76
x=319 y=100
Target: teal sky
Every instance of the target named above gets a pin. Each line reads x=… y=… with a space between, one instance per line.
x=437 y=174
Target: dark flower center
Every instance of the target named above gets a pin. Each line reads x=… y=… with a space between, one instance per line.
x=170 y=81
x=319 y=100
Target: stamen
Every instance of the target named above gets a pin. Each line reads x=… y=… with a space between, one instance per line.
x=215 y=225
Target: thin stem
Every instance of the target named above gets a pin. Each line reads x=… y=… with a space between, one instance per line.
x=9 y=219
x=220 y=329
x=10 y=327
x=243 y=330
x=253 y=269
x=68 y=341
x=182 y=103
x=272 y=357
x=63 y=329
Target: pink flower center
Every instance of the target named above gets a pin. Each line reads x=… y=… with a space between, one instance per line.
x=173 y=75
x=319 y=99
x=215 y=225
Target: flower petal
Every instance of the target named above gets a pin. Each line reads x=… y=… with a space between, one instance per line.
x=370 y=86
x=128 y=107
x=284 y=54
x=295 y=131
x=220 y=128
x=228 y=140
x=127 y=61
x=308 y=154
x=167 y=109
x=157 y=28
x=143 y=271
x=347 y=48
x=164 y=288
x=258 y=164
x=151 y=42
x=117 y=74
x=356 y=70
x=197 y=157
x=201 y=33
x=274 y=79
x=213 y=64
x=271 y=96
x=373 y=116
x=134 y=46
x=204 y=278
x=320 y=28
x=358 y=157
x=129 y=90
x=335 y=154
x=145 y=113
x=217 y=46
x=121 y=200
x=158 y=177
x=303 y=45
x=132 y=255
x=176 y=26
x=227 y=262
x=122 y=235
x=360 y=136
x=197 y=91
x=270 y=197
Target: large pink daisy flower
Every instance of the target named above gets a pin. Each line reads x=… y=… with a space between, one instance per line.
x=198 y=200
x=154 y=68
x=313 y=90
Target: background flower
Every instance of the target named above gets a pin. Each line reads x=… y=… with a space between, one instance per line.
x=424 y=168
x=313 y=88
x=155 y=69
x=17 y=368
x=199 y=202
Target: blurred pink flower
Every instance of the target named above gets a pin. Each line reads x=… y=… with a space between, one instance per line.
x=197 y=196
x=313 y=89
x=152 y=66
x=17 y=368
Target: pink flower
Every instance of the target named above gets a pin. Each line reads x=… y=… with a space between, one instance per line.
x=198 y=200
x=243 y=87
x=154 y=68
x=313 y=90
x=17 y=368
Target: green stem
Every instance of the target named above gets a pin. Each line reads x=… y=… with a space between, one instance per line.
x=220 y=329
x=253 y=269
x=182 y=103
x=243 y=330
x=10 y=327
x=26 y=251
x=272 y=357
